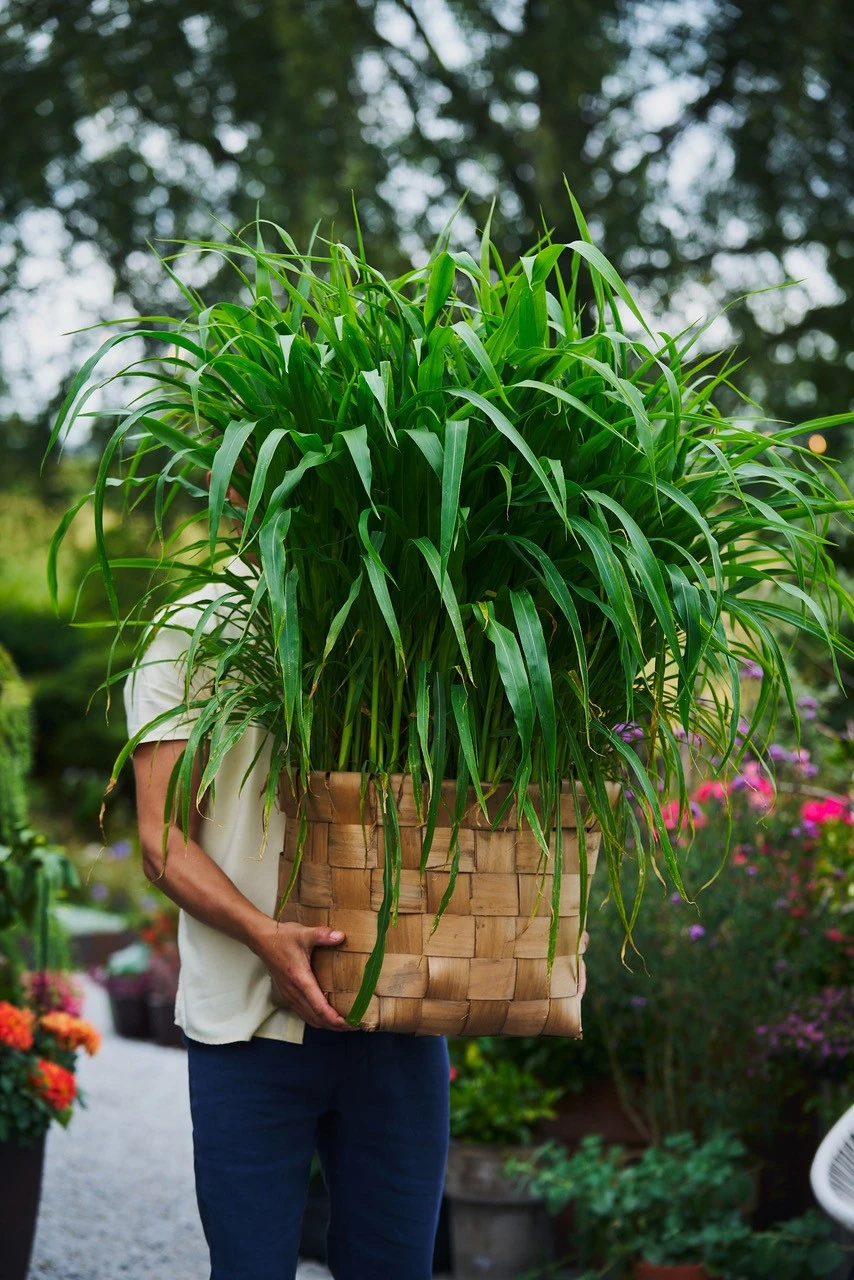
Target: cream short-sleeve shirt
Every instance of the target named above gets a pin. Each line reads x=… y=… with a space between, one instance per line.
x=225 y=993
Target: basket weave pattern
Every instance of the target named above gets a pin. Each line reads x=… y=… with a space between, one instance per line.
x=483 y=970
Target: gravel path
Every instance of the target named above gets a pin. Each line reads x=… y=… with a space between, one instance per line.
x=118 y=1201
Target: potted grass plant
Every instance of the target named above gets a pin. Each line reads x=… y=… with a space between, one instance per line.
x=487 y=526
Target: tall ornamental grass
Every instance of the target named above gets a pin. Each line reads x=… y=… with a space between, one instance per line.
x=490 y=527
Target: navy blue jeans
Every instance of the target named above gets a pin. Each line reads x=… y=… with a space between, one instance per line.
x=374 y=1105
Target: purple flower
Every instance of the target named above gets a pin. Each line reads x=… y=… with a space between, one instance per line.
x=781 y=965
x=807 y=770
x=148 y=902
x=794 y=831
x=696 y=931
x=122 y=849
x=760 y=1031
x=100 y=892
x=676 y=898
x=751 y=670
x=629 y=794
x=629 y=730
x=751 y=870
x=639 y=1002
x=778 y=752
x=807 y=700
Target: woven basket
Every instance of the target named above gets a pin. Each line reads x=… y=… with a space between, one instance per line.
x=483 y=971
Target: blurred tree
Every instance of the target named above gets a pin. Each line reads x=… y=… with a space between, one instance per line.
x=710 y=145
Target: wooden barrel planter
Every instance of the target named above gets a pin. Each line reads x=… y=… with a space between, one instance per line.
x=483 y=970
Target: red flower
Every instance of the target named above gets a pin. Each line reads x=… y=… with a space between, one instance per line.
x=16 y=1026
x=834 y=935
x=454 y=1073
x=55 y=1084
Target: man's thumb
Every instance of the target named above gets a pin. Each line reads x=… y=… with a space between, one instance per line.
x=321 y=937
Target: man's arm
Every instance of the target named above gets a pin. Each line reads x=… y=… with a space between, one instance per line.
x=193 y=880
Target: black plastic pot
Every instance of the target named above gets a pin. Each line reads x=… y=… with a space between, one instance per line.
x=131 y=1017
x=20 y=1193
x=161 y=1014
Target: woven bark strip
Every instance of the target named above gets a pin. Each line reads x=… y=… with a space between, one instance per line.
x=483 y=969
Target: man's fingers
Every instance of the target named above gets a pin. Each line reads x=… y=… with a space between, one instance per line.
x=306 y=984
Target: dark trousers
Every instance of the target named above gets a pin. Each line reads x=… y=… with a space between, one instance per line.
x=374 y=1105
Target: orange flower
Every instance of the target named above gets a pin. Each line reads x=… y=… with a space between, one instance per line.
x=71 y=1032
x=16 y=1026
x=55 y=1084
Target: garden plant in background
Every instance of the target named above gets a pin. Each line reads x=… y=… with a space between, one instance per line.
x=680 y=1210
x=38 y=1049
x=774 y=932
x=496 y=1225
x=39 y=1044
x=489 y=526
x=40 y=1031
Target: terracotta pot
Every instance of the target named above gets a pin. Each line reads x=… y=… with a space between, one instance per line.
x=678 y=1271
x=596 y=1109
x=497 y=1230
x=20 y=1193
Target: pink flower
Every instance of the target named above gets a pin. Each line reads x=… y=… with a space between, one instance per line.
x=710 y=790
x=670 y=814
x=834 y=935
x=831 y=809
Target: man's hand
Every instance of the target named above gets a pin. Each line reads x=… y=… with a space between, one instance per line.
x=285 y=949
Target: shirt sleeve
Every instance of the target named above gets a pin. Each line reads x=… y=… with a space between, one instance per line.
x=157 y=683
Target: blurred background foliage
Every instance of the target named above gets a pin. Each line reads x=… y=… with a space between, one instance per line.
x=709 y=144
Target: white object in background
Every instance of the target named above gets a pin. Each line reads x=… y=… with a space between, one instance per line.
x=832 y=1171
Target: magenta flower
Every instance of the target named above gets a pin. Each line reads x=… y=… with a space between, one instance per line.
x=696 y=932
x=830 y=809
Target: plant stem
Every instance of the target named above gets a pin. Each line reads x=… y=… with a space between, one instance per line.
x=375 y=701
x=347 y=731
x=395 y=718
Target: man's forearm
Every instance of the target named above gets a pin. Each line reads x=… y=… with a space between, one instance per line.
x=193 y=881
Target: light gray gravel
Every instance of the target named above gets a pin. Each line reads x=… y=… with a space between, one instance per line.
x=118 y=1201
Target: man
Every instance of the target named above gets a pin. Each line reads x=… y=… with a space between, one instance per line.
x=275 y=1073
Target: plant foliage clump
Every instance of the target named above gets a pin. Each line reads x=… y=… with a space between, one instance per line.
x=488 y=524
